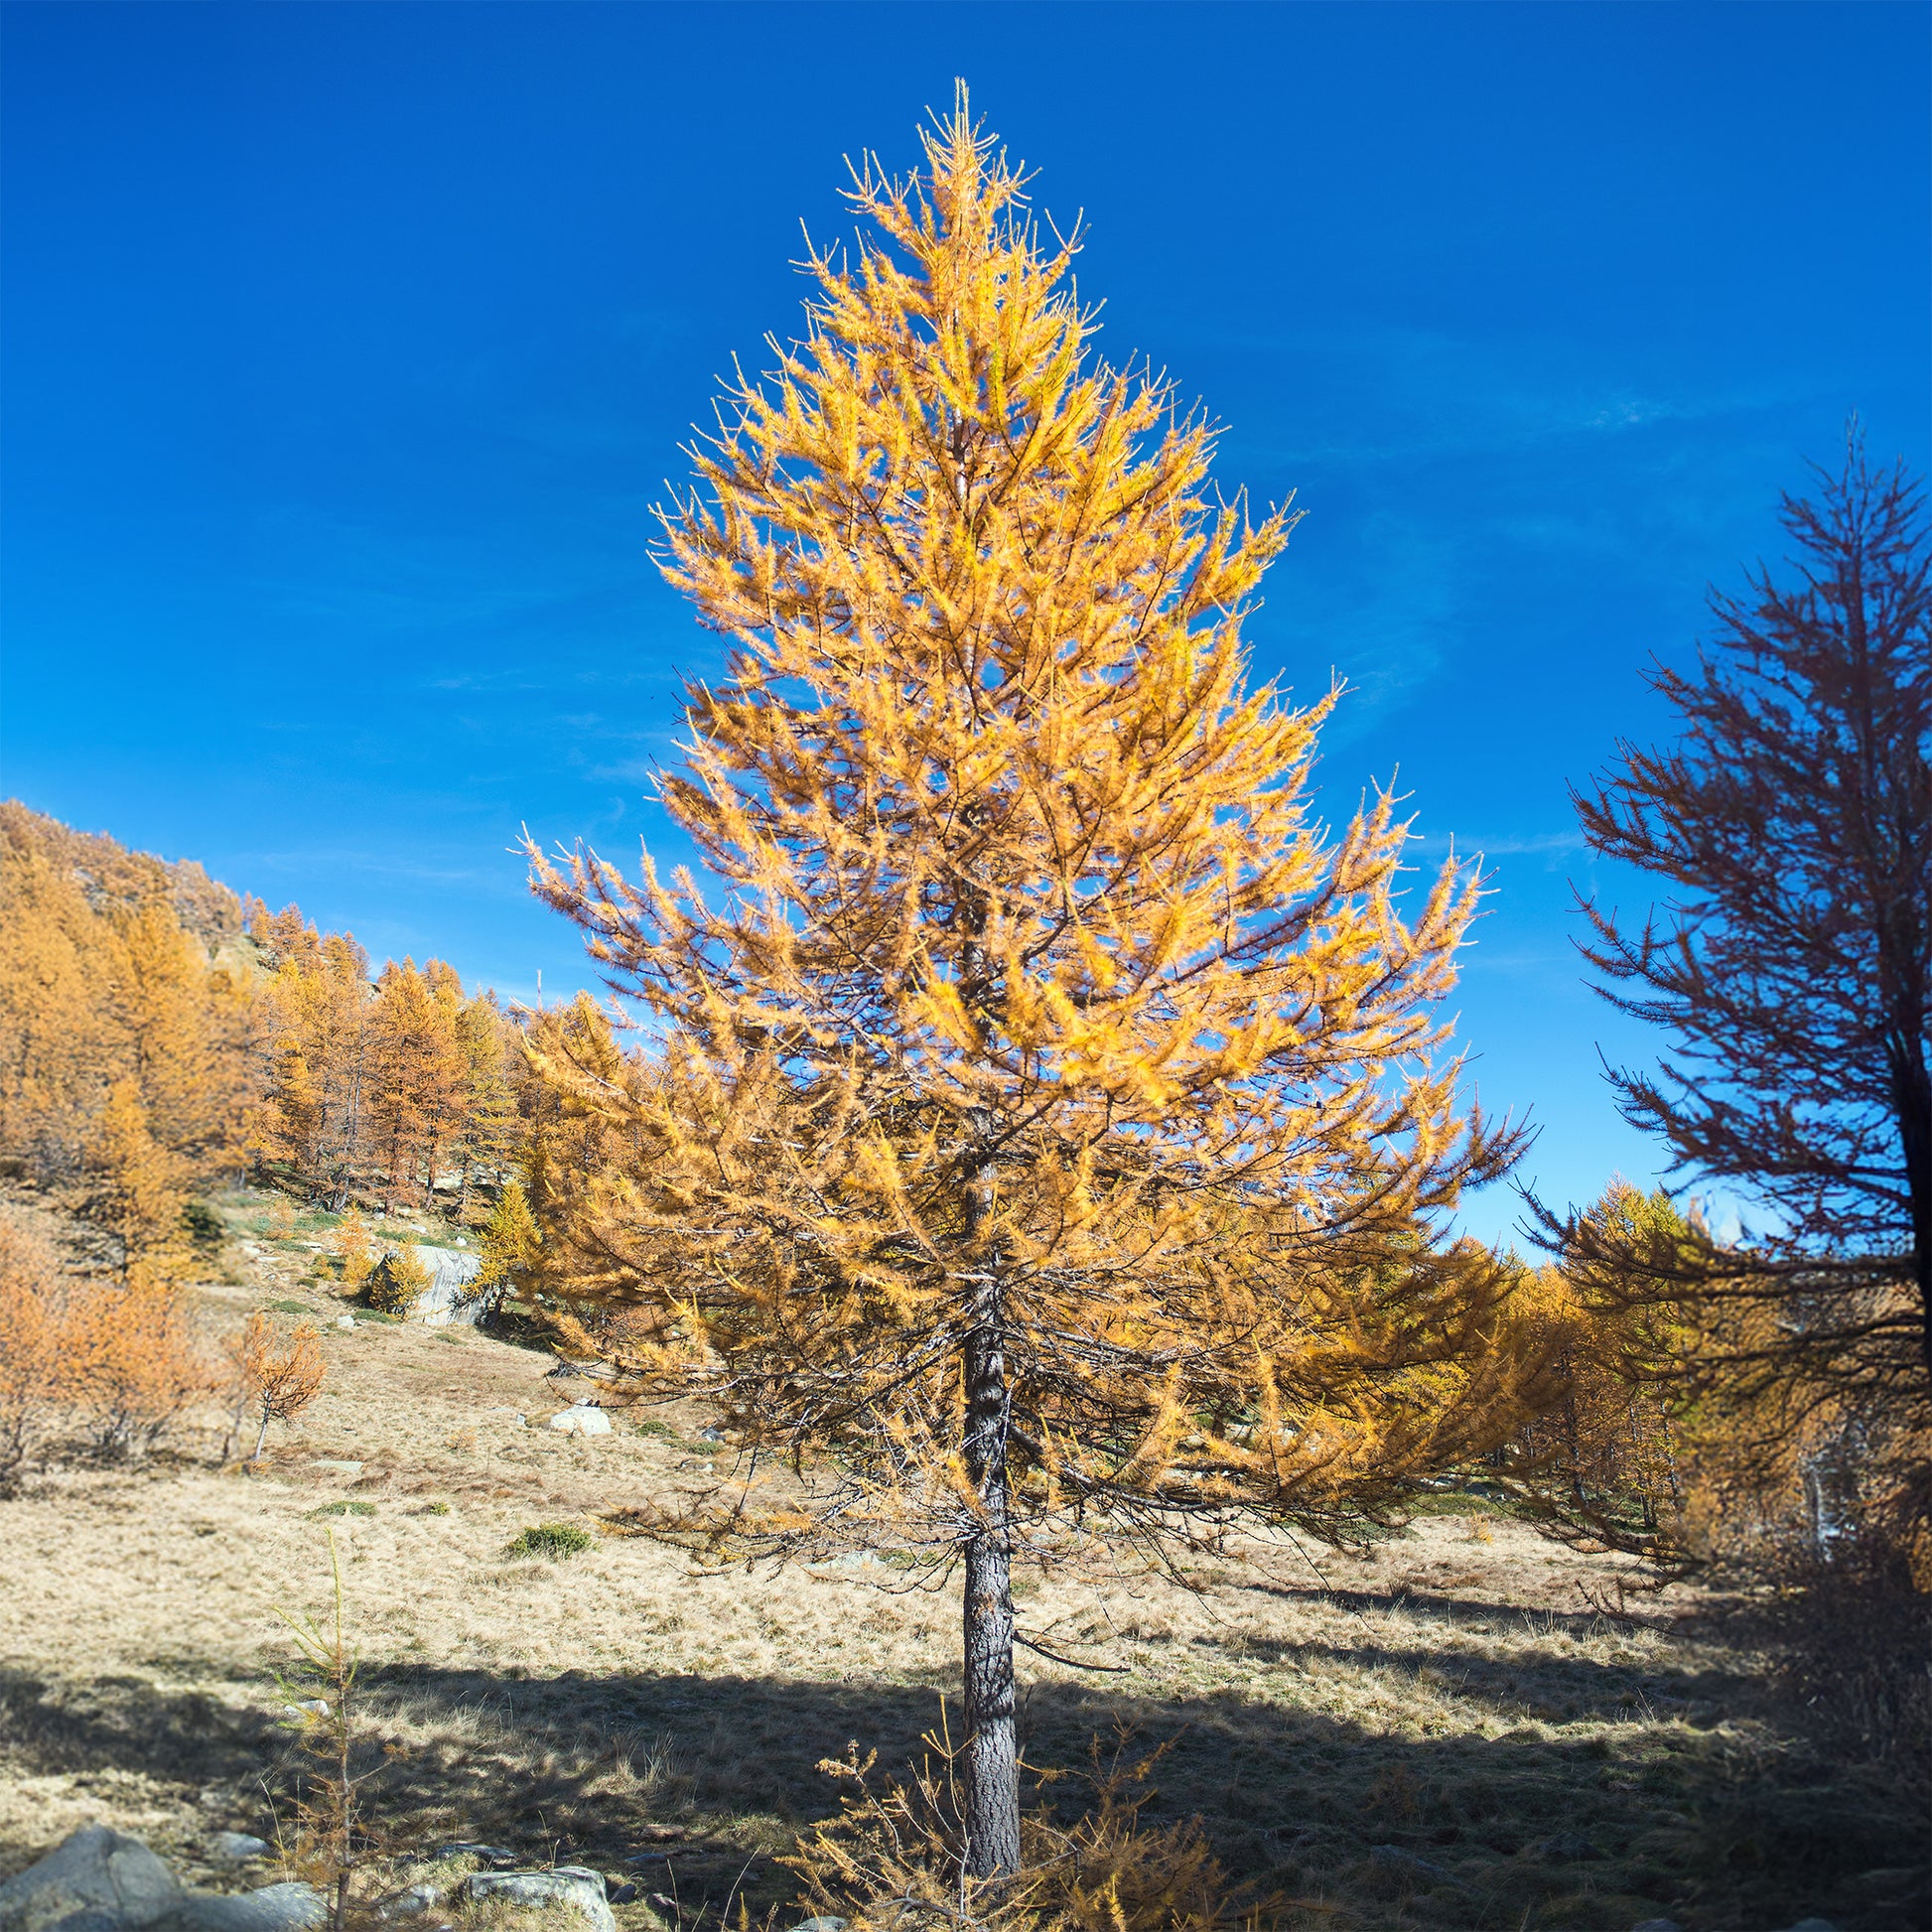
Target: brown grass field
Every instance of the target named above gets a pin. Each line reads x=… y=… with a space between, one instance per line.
x=1464 y=1693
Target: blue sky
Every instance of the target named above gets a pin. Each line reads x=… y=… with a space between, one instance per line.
x=346 y=347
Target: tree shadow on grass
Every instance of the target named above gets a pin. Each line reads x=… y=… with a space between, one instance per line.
x=573 y=1766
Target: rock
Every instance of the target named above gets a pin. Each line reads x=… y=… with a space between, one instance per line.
x=581 y=1419
x=337 y=1467
x=1392 y=1858
x=826 y=1924
x=312 y=1707
x=239 y=1846
x=95 y=1878
x=287 y=1908
x=1567 y=1846
x=470 y=1848
x=410 y=1903
x=715 y=1436
x=573 y=1887
x=448 y=1296
x=344 y=1322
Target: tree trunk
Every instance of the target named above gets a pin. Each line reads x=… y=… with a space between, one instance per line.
x=992 y=1745
x=262 y=1437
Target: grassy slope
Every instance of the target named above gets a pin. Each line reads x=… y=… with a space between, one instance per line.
x=1456 y=1694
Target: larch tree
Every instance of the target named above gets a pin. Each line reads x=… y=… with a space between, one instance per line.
x=1047 y=1116
x=1792 y=969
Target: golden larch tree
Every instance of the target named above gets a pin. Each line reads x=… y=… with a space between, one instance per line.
x=1048 y=1112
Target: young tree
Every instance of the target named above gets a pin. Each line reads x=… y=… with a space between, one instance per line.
x=1793 y=965
x=137 y=1196
x=512 y=1248
x=1049 y=1114
x=31 y=1365
x=279 y=1376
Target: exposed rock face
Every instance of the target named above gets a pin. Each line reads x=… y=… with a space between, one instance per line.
x=100 y=1880
x=572 y=1886
x=447 y=1299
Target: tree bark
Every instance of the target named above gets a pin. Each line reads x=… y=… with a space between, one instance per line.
x=992 y=1744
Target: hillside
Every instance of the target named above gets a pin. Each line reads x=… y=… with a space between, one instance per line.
x=1467 y=1727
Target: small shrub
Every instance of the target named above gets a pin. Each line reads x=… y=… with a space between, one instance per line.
x=553 y=1542
x=892 y=1860
x=203 y=1226
x=436 y=1509
x=343 y=1506
x=276 y=1377
x=288 y=1308
x=398 y=1283
x=656 y=1426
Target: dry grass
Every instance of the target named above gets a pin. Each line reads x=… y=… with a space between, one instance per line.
x=1466 y=1693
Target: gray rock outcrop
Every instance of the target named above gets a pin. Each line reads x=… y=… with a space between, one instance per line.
x=95 y=1881
x=100 y=1881
x=573 y=1885
x=449 y=1298
x=287 y=1908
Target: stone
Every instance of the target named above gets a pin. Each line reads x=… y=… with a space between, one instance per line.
x=826 y=1924
x=412 y=1903
x=95 y=1877
x=238 y=1847
x=466 y=1848
x=336 y=1466
x=287 y=1908
x=573 y=1887
x=581 y=1419
x=344 y=1322
x=448 y=1297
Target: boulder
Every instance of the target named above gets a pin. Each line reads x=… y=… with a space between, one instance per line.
x=287 y=1908
x=581 y=1418
x=564 y=1887
x=237 y=1847
x=412 y=1903
x=448 y=1297
x=826 y=1924
x=100 y=1880
x=95 y=1880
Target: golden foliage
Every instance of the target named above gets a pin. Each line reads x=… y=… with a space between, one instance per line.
x=279 y=1375
x=31 y=1362
x=117 y=969
x=132 y=1360
x=1037 y=1015
x=399 y=1281
x=350 y=1242
x=894 y=1858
